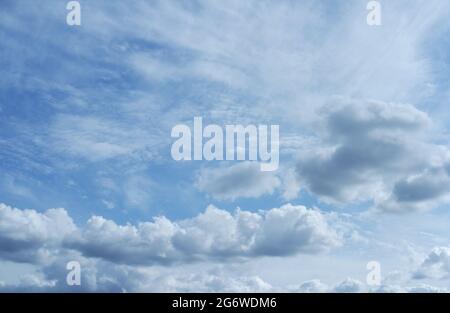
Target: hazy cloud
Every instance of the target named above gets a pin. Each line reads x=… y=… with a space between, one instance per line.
x=242 y=180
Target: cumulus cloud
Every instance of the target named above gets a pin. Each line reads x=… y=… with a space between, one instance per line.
x=208 y=283
x=243 y=180
x=435 y=265
x=28 y=236
x=146 y=242
x=106 y=277
x=310 y=286
x=100 y=276
x=367 y=150
x=350 y=285
x=420 y=191
x=129 y=257
x=214 y=234
x=420 y=288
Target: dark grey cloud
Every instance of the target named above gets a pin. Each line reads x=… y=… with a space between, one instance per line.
x=421 y=191
x=431 y=185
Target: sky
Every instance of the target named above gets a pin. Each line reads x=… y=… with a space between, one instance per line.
x=86 y=172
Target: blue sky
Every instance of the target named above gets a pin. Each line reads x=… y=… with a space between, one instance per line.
x=86 y=114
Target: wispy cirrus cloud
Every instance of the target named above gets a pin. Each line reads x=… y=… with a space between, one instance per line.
x=86 y=124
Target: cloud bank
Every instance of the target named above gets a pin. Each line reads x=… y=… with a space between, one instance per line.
x=212 y=235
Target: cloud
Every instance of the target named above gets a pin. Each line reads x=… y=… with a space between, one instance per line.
x=217 y=43
x=310 y=286
x=425 y=288
x=215 y=234
x=290 y=185
x=29 y=283
x=243 y=180
x=367 y=149
x=230 y=60
x=99 y=276
x=208 y=283
x=95 y=138
x=435 y=265
x=157 y=70
x=421 y=288
x=420 y=191
x=147 y=243
x=350 y=285
x=364 y=142
x=29 y=236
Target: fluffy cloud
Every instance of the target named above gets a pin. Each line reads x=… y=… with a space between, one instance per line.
x=133 y=257
x=382 y=158
x=214 y=234
x=107 y=277
x=147 y=242
x=435 y=265
x=100 y=276
x=243 y=180
x=420 y=191
x=350 y=285
x=367 y=150
x=208 y=283
x=421 y=288
x=28 y=236
x=310 y=286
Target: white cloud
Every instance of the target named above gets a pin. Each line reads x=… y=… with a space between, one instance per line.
x=99 y=276
x=310 y=286
x=284 y=70
x=202 y=282
x=213 y=235
x=350 y=285
x=435 y=265
x=28 y=236
x=425 y=288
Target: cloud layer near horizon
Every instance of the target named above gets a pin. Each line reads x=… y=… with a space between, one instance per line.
x=214 y=234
